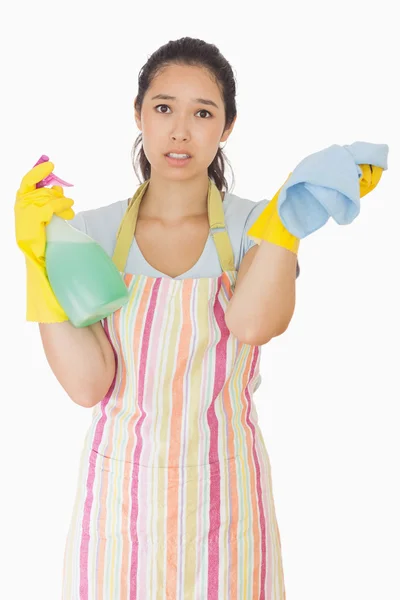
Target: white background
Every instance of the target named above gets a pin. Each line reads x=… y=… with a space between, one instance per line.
x=310 y=74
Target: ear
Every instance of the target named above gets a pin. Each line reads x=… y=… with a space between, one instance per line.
x=228 y=132
x=137 y=116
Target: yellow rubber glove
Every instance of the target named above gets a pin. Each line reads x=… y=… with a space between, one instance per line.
x=33 y=210
x=270 y=228
x=370 y=178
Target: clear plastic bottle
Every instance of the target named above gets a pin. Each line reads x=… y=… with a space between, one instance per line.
x=82 y=276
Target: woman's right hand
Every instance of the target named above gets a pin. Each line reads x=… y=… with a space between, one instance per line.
x=34 y=209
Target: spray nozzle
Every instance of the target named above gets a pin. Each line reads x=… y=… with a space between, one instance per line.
x=50 y=179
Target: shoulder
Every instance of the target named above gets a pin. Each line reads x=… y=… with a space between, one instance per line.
x=238 y=209
x=240 y=213
x=104 y=216
x=102 y=223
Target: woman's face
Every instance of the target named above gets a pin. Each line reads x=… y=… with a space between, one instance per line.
x=191 y=120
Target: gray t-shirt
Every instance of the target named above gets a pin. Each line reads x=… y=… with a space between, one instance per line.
x=102 y=225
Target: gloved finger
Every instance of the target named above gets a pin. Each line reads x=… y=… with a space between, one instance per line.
x=58 y=189
x=366 y=177
x=66 y=214
x=59 y=205
x=37 y=197
x=29 y=181
x=370 y=178
x=55 y=206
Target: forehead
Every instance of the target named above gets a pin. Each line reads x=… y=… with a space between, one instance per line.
x=185 y=81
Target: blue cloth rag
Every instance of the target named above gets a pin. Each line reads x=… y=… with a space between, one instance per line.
x=326 y=184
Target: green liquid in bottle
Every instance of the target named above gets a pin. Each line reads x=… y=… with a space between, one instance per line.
x=85 y=281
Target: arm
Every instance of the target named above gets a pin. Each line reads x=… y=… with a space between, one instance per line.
x=81 y=359
x=264 y=299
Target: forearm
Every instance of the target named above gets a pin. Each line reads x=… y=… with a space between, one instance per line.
x=82 y=359
x=263 y=304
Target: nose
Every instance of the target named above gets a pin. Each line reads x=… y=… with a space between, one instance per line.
x=179 y=137
x=180 y=130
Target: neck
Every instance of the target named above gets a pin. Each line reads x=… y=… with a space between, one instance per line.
x=174 y=200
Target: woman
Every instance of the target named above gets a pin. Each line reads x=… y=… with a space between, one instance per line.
x=174 y=497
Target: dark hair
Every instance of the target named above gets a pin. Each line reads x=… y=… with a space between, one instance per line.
x=194 y=52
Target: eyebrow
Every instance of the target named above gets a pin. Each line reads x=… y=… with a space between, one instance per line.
x=196 y=100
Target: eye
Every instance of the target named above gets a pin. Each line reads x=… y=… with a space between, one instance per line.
x=203 y=110
x=158 y=106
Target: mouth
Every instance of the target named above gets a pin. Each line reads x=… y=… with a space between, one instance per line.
x=176 y=159
x=176 y=154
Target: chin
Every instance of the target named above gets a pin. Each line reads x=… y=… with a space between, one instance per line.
x=175 y=174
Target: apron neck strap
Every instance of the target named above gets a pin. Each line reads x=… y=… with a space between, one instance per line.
x=216 y=218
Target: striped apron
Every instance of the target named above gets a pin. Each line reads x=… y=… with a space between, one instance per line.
x=174 y=498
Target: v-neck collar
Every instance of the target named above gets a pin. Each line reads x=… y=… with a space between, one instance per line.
x=160 y=273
